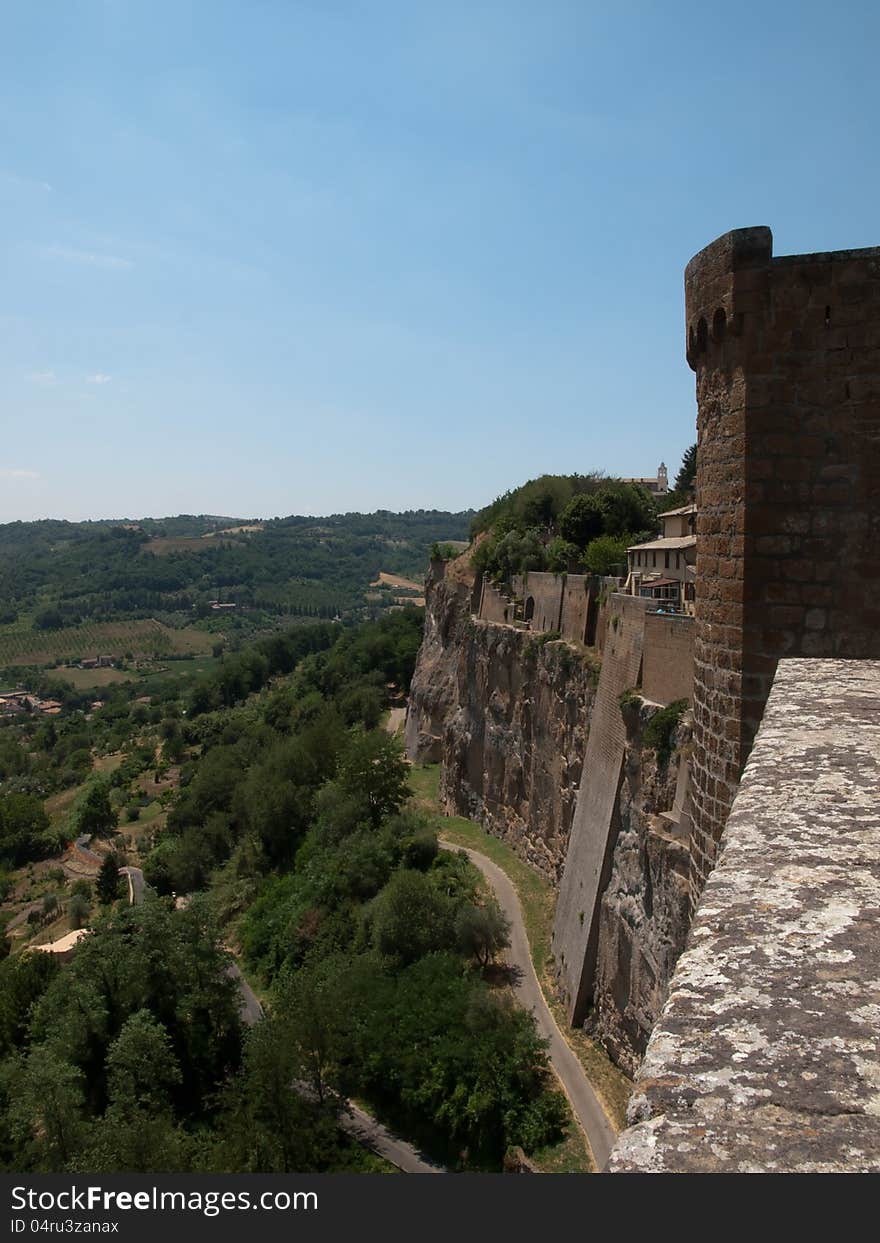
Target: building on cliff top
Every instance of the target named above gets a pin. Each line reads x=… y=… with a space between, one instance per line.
x=657 y=485
x=664 y=570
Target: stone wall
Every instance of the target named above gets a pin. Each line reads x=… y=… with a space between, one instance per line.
x=513 y=747
x=543 y=600
x=493 y=605
x=787 y=357
x=594 y=829
x=508 y=715
x=608 y=588
x=644 y=915
x=765 y=1057
x=579 y=606
x=668 y=658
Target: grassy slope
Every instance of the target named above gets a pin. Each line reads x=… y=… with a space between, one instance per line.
x=538 y=902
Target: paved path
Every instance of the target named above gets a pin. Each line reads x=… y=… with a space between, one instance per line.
x=249 y=1007
x=592 y=1117
x=372 y=1134
x=364 y=1128
x=135 y=878
x=356 y=1122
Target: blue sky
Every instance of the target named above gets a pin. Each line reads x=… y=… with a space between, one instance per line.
x=268 y=256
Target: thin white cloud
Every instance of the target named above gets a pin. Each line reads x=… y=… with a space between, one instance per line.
x=42 y=377
x=29 y=183
x=19 y=474
x=91 y=257
x=98 y=378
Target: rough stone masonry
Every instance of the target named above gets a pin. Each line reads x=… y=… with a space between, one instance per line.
x=766 y=1055
x=786 y=352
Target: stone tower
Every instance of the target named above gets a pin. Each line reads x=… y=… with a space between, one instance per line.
x=787 y=358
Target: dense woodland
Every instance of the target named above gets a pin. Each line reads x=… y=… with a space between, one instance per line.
x=55 y=574
x=573 y=523
x=289 y=829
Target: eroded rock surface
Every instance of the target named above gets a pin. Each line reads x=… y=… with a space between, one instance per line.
x=644 y=914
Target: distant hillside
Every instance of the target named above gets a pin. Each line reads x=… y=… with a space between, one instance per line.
x=55 y=574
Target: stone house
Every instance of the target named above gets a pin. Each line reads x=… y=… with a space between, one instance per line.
x=663 y=570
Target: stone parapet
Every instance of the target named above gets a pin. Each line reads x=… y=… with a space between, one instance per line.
x=765 y=1057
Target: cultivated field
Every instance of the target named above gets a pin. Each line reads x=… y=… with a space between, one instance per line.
x=22 y=646
x=244 y=529
x=395 y=580
x=161 y=546
x=94 y=679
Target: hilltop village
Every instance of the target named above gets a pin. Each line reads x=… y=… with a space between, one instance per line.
x=719 y=693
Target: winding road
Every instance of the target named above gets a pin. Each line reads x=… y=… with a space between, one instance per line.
x=585 y=1105
x=577 y=1087
x=356 y=1122
x=135 y=878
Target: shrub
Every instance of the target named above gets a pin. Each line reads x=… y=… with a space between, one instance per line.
x=661 y=727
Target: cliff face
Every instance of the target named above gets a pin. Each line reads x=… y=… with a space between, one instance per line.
x=433 y=694
x=644 y=913
x=508 y=715
x=513 y=750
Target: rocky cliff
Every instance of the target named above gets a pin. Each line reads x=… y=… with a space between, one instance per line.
x=508 y=714
x=644 y=913
x=513 y=750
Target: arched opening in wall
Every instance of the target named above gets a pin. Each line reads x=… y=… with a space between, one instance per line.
x=719 y=325
x=702 y=335
x=530 y=608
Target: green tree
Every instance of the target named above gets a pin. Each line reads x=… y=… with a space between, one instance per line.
x=23 y=824
x=482 y=931
x=141 y=1065
x=562 y=556
x=309 y=1014
x=607 y=554
x=46 y=1110
x=133 y=1142
x=582 y=520
x=96 y=815
x=265 y=1125
x=687 y=472
x=107 y=884
x=411 y=918
x=373 y=771
x=625 y=508
x=78 y=910
x=23 y=980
